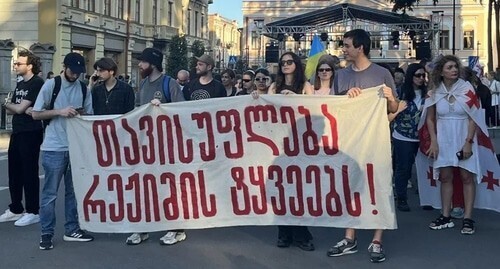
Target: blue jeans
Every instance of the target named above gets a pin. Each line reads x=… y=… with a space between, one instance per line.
x=404 y=158
x=56 y=165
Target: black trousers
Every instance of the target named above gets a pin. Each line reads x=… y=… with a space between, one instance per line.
x=294 y=233
x=24 y=151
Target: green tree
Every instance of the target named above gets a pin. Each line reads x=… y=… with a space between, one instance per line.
x=198 y=49
x=177 y=58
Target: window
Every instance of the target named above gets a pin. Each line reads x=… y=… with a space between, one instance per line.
x=255 y=40
x=107 y=7
x=90 y=5
x=375 y=42
x=196 y=23
x=137 y=11
x=170 y=13
x=155 y=17
x=469 y=40
x=75 y=3
x=189 y=21
x=444 y=40
x=121 y=4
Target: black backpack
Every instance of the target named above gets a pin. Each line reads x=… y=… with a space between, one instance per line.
x=55 y=92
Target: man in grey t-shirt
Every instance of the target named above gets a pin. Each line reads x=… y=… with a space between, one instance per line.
x=152 y=90
x=361 y=74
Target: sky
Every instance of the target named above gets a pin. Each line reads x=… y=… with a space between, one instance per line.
x=230 y=9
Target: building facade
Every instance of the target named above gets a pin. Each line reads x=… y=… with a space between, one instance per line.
x=470 y=29
x=119 y=29
x=224 y=41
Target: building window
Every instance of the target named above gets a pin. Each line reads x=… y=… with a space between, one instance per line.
x=255 y=40
x=376 y=42
x=137 y=11
x=196 y=23
x=189 y=22
x=155 y=17
x=444 y=39
x=170 y=13
x=90 y=5
x=121 y=4
x=75 y=3
x=469 y=40
x=107 y=7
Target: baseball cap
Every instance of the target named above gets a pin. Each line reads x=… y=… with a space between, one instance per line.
x=205 y=58
x=75 y=62
x=152 y=56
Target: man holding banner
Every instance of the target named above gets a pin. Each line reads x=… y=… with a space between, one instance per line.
x=361 y=74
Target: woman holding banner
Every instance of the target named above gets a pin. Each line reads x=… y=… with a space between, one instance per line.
x=292 y=80
x=262 y=80
x=451 y=115
x=325 y=71
x=405 y=133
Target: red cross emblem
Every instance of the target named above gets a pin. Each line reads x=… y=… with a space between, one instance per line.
x=473 y=101
x=430 y=176
x=490 y=180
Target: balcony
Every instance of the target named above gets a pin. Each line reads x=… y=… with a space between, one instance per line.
x=161 y=32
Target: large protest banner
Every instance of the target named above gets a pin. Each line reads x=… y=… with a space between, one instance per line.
x=274 y=160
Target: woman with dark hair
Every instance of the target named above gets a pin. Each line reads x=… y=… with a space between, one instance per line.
x=262 y=80
x=482 y=91
x=452 y=127
x=405 y=132
x=291 y=78
x=325 y=71
x=227 y=79
x=247 y=82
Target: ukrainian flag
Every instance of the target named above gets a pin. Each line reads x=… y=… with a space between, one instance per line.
x=317 y=50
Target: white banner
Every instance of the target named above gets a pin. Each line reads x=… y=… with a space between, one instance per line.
x=275 y=160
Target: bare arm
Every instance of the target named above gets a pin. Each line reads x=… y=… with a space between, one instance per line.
x=272 y=89
x=401 y=107
x=308 y=88
x=431 y=126
x=67 y=112
x=18 y=108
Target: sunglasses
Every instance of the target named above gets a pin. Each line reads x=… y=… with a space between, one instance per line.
x=324 y=70
x=246 y=80
x=261 y=79
x=419 y=75
x=287 y=62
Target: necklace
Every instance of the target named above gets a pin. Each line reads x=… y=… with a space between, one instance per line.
x=107 y=95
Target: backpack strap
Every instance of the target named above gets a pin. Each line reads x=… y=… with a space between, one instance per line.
x=55 y=91
x=166 y=88
x=84 y=92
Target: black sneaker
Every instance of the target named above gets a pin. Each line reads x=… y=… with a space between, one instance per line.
x=305 y=245
x=78 y=236
x=403 y=205
x=442 y=223
x=283 y=242
x=345 y=246
x=46 y=242
x=376 y=252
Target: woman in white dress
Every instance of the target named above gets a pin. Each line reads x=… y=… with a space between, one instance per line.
x=452 y=114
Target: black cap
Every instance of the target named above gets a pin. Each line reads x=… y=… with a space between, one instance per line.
x=75 y=62
x=152 y=56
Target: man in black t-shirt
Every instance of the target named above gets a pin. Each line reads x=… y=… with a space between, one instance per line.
x=111 y=95
x=25 y=141
x=205 y=86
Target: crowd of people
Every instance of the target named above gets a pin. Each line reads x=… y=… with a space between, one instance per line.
x=429 y=94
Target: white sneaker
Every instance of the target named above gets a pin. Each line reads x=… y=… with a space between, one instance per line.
x=172 y=238
x=27 y=219
x=137 y=238
x=9 y=216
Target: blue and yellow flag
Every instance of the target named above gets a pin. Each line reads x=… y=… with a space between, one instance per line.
x=317 y=50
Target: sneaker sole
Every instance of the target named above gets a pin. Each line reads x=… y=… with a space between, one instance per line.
x=377 y=260
x=45 y=248
x=444 y=226
x=467 y=232
x=343 y=253
x=72 y=239
x=182 y=238
x=130 y=243
x=25 y=224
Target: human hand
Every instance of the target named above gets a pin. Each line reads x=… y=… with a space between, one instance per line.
x=68 y=112
x=287 y=92
x=354 y=92
x=388 y=94
x=402 y=106
x=255 y=95
x=433 y=150
x=155 y=102
x=29 y=111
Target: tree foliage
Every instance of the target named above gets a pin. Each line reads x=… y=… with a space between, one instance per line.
x=404 y=5
x=177 y=58
x=198 y=49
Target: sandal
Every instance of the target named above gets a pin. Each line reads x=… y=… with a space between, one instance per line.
x=442 y=223
x=468 y=226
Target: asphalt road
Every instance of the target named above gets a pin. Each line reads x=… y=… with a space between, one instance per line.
x=413 y=245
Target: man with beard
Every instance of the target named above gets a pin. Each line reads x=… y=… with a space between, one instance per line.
x=25 y=141
x=71 y=100
x=111 y=96
x=205 y=86
x=152 y=89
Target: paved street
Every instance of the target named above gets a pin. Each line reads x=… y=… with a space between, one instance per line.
x=413 y=245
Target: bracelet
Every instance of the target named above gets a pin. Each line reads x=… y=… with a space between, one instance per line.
x=469 y=140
